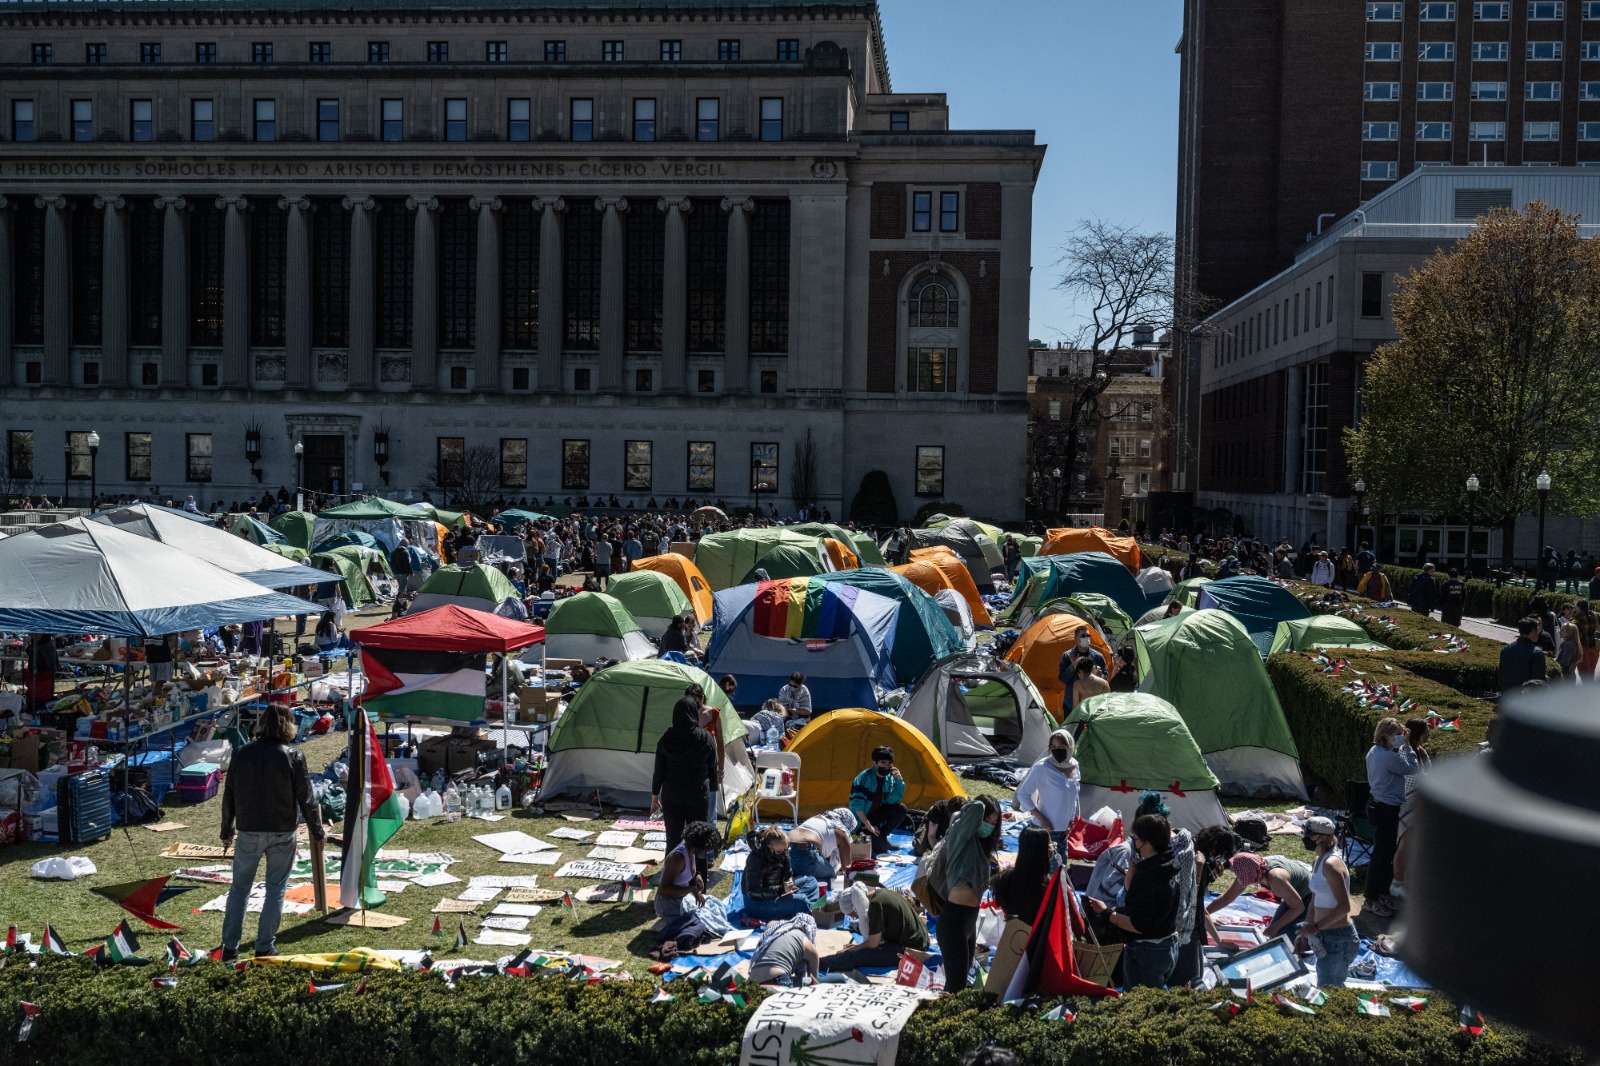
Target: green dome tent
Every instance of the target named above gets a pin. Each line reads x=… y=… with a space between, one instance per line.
x=371 y=507
x=592 y=625
x=448 y=519
x=725 y=558
x=1132 y=742
x=1187 y=590
x=296 y=527
x=1321 y=631
x=254 y=530
x=922 y=632
x=789 y=560
x=1099 y=608
x=1256 y=602
x=350 y=568
x=477 y=587
x=653 y=598
x=1205 y=665
x=867 y=550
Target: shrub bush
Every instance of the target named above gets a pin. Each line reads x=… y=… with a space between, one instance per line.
x=112 y=1017
x=874 y=505
x=1503 y=603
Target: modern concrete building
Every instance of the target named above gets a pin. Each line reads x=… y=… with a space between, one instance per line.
x=632 y=249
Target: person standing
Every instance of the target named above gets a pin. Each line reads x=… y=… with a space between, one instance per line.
x=632 y=549
x=1149 y=912
x=602 y=562
x=1390 y=761
x=267 y=787
x=1013 y=558
x=1424 y=594
x=1019 y=890
x=1087 y=682
x=1522 y=660
x=1049 y=792
x=1374 y=585
x=1322 y=572
x=1066 y=672
x=685 y=774
x=960 y=875
x=875 y=797
x=1588 y=650
x=1452 y=598
x=1417 y=732
x=1328 y=932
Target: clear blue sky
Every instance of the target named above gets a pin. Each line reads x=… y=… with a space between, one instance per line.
x=1097 y=81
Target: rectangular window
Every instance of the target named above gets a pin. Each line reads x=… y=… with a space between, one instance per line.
x=555 y=51
x=1314 y=420
x=644 y=119
x=1589 y=131
x=1378 y=171
x=769 y=382
x=377 y=51
x=327 y=120
x=611 y=51
x=644 y=380
x=788 y=50
x=1382 y=52
x=949 y=212
x=1381 y=90
x=1546 y=11
x=319 y=52
x=199 y=453
x=922 y=212
x=771 y=118
x=930 y=370
x=1144 y=447
x=1499 y=11
x=1380 y=131
x=582 y=379
x=83 y=120
x=22 y=120
x=930 y=470
x=764 y=467
x=150 y=52
x=1436 y=90
x=1589 y=90
x=702 y=466
x=1591 y=9
x=19 y=454
x=205 y=52
x=582 y=122
x=1371 y=295
x=1433 y=131
x=519 y=124
x=899 y=121
x=671 y=51
x=455 y=120
x=43 y=54
x=438 y=51
x=496 y=51
x=1436 y=51
x=94 y=53
x=1436 y=12
x=394 y=120
x=1542 y=90
x=136 y=446
x=261 y=52
x=141 y=120
x=574 y=464
x=1490 y=51
x=1544 y=49
x=450 y=460
x=1486 y=131
x=202 y=120
x=514 y=462
x=1488 y=90
x=266 y=113
x=79 y=461
x=458 y=377
x=637 y=468
x=1591 y=50
x=1541 y=131
x=728 y=51
x=708 y=119
x=1384 y=12
x=521 y=381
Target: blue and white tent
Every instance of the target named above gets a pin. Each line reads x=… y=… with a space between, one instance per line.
x=84 y=576
x=201 y=540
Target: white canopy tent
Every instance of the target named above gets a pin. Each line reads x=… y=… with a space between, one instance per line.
x=203 y=541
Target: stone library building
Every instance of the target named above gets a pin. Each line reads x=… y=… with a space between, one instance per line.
x=639 y=249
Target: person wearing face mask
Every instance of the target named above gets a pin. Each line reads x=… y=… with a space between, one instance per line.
x=771 y=889
x=875 y=797
x=1067 y=672
x=889 y=923
x=1328 y=932
x=1148 y=916
x=1049 y=792
x=1390 y=761
x=960 y=876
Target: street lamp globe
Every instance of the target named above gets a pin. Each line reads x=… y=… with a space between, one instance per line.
x=93 y=439
x=299 y=448
x=1361 y=484
x=1472 y=483
x=1543 y=481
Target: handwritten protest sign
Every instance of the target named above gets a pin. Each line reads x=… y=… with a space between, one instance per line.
x=595 y=870
x=836 y=1025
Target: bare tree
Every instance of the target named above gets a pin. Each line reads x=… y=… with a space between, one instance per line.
x=803 y=485
x=470 y=482
x=13 y=486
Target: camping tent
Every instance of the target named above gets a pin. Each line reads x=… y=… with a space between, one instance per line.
x=1100 y=609
x=478 y=587
x=513 y=518
x=790 y=560
x=1132 y=742
x=1071 y=541
x=348 y=537
x=606 y=739
x=922 y=633
x=960 y=615
x=976 y=549
x=923 y=574
x=1156 y=583
x=296 y=527
x=724 y=558
x=835 y=747
x=653 y=598
x=940 y=521
x=867 y=550
x=1187 y=591
x=349 y=566
x=1321 y=631
x=385 y=520
x=1028 y=545
x=240 y=525
x=960 y=577
x=688 y=576
x=976 y=707
x=841 y=556
x=839 y=636
x=1205 y=665
x=448 y=519
x=494 y=549
x=1038 y=651
x=1156 y=614
x=90 y=577
x=1258 y=603
x=592 y=625
x=430 y=664
x=1047 y=577
x=201 y=540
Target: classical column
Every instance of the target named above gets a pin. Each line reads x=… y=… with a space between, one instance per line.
x=297 y=293
x=613 y=292
x=363 y=303
x=736 y=364
x=486 y=334
x=552 y=319
x=174 y=292
x=8 y=281
x=425 y=294
x=57 y=368
x=674 y=292
x=235 y=292
x=113 y=290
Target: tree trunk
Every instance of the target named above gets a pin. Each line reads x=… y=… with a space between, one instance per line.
x=1508 y=542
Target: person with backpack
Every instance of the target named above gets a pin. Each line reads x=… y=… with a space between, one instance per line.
x=962 y=864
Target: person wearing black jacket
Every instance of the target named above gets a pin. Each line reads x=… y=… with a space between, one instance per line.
x=686 y=768
x=771 y=890
x=1149 y=913
x=267 y=787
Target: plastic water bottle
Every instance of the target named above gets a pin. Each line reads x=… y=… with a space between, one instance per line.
x=772 y=736
x=452 y=804
x=438 y=781
x=502 y=798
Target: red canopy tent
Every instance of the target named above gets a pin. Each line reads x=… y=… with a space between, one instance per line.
x=450 y=628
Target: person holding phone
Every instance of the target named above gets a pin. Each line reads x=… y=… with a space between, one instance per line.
x=1148 y=916
x=771 y=888
x=875 y=797
x=1390 y=761
x=1328 y=932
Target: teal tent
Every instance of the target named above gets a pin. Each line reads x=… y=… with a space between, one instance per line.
x=1255 y=601
x=254 y=530
x=511 y=519
x=1048 y=577
x=922 y=631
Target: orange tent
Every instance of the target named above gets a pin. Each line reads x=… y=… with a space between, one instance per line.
x=923 y=574
x=1068 y=541
x=955 y=571
x=840 y=555
x=681 y=569
x=1038 y=651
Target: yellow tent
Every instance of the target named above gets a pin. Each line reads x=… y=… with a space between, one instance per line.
x=681 y=569
x=836 y=746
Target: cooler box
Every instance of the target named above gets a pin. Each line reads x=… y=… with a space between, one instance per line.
x=199 y=781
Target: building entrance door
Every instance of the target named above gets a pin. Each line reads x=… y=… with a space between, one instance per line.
x=324 y=459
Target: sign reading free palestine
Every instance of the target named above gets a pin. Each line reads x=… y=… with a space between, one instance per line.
x=828 y=1025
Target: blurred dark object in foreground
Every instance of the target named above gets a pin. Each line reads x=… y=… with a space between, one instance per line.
x=1501 y=910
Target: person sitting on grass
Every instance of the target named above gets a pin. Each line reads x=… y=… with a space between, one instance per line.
x=820 y=845
x=889 y=923
x=771 y=889
x=875 y=797
x=935 y=825
x=681 y=876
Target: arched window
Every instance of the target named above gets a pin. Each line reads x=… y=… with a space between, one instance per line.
x=934 y=302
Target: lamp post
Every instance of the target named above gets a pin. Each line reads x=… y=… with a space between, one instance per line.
x=93 y=440
x=1542 y=482
x=1472 y=514
x=252 y=449
x=1055 y=477
x=66 y=473
x=380 y=451
x=299 y=475
x=1361 y=495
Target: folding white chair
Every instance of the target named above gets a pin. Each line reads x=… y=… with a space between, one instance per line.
x=770 y=767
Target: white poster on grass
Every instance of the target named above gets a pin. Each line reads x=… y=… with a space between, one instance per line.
x=828 y=1025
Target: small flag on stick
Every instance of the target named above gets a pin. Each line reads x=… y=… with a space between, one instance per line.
x=1471 y=1021
x=461 y=933
x=315 y=987
x=1372 y=1007
x=26 y=1013
x=53 y=943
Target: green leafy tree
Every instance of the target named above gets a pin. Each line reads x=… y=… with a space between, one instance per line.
x=1493 y=374
x=874 y=503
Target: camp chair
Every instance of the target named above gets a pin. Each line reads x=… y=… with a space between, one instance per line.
x=778 y=762
x=1356 y=834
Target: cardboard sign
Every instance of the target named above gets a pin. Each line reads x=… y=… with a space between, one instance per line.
x=455 y=906
x=594 y=870
x=839 y=1024
x=1007 y=954
x=367 y=919
x=614 y=838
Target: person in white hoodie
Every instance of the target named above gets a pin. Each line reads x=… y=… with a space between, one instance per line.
x=1322 y=572
x=1049 y=792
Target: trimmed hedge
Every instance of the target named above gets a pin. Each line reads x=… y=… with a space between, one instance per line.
x=112 y=1017
x=1505 y=604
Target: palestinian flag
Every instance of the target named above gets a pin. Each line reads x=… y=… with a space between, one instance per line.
x=1372 y=1007
x=1060 y=1014
x=438 y=930
x=424 y=684
x=123 y=946
x=53 y=943
x=1471 y=1021
x=163 y=982
x=425 y=963
x=1414 y=1004
x=215 y=954
x=662 y=996
x=140 y=898
x=178 y=954
x=372 y=816
x=313 y=987
x=26 y=1013
x=1317 y=997
x=1290 y=1005
x=568 y=906
x=461 y=933
x=1047 y=967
